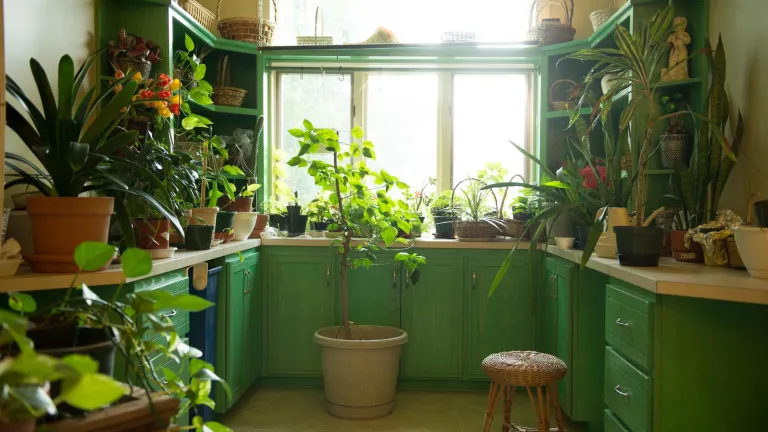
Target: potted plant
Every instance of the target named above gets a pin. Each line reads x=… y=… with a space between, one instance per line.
x=443 y=214
x=476 y=218
x=82 y=157
x=640 y=53
x=189 y=68
x=360 y=362
x=674 y=143
x=131 y=53
x=318 y=213
x=415 y=202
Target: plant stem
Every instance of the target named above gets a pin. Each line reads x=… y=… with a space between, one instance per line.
x=344 y=255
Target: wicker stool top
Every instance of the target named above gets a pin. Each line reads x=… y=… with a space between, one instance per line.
x=524 y=368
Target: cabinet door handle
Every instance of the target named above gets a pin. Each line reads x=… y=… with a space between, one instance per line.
x=248 y=291
x=394 y=278
x=327 y=276
x=622 y=323
x=552 y=278
x=617 y=389
x=474 y=280
x=170 y=314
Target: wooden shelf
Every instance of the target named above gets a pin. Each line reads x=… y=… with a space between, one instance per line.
x=181 y=17
x=567 y=113
x=225 y=109
x=689 y=81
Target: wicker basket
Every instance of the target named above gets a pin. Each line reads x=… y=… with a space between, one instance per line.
x=458 y=37
x=224 y=94
x=316 y=40
x=564 y=103
x=200 y=14
x=512 y=228
x=482 y=229
x=599 y=17
x=551 y=30
x=247 y=29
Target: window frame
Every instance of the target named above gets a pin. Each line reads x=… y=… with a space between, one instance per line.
x=446 y=74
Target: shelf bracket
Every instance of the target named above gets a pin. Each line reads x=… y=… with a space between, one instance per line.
x=200 y=276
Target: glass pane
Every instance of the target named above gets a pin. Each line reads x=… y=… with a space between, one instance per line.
x=489 y=111
x=402 y=123
x=326 y=102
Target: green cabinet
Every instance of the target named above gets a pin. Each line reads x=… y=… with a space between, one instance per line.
x=298 y=300
x=503 y=322
x=433 y=317
x=373 y=294
x=555 y=332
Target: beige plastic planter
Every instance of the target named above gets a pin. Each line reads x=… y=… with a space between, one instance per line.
x=360 y=375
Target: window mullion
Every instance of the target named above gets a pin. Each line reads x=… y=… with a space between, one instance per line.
x=445 y=131
x=360 y=102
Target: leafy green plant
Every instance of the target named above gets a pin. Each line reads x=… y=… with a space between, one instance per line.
x=280 y=191
x=421 y=197
x=319 y=209
x=474 y=205
x=191 y=70
x=214 y=156
x=355 y=188
x=76 y=142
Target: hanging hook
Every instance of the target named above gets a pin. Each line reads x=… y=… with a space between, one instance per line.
x=341 y=76
x=301 y=74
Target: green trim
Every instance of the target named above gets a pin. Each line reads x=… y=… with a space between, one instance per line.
x=181 y=17
x=223 y=109
x=567 y=113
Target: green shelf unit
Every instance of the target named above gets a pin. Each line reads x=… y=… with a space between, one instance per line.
x=197 y=31
x=207 y=109
x=567 y=113
x=685 y=82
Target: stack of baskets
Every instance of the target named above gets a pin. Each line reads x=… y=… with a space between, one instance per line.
x=202 y=15
x=551 y=30
x=224 y=94
x=247 y=29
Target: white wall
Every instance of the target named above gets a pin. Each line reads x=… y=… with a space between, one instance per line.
x=45 y=30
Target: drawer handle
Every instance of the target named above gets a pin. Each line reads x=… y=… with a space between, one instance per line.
x=170 y=314
x=617 y=389
x=622 y=323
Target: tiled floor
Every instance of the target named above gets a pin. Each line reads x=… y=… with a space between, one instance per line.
x=294 y=410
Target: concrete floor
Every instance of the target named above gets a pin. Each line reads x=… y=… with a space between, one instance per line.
x=289 y=410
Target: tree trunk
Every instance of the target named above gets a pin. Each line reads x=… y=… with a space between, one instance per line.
x=344 y=257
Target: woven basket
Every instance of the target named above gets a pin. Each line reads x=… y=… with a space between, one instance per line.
x=565 y=103
x=316 y=40
x=512 y=228
x=224 y=94
x=551 y=30
x=247 y=29
x=475 y=229
x=200 y=14
x=599 y=17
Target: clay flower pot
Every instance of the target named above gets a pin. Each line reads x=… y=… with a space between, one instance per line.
x=60 y=224
x=261 y=224
x=694 y=253
x=153 y=233
x=241 y=205
x=225 y=237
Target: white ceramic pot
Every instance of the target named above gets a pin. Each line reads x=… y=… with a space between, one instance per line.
x=606 y=83
x=360 y=375
x=752 y=242
x=243 y=224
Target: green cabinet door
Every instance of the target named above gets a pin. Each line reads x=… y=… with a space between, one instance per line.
x=234 y=316
x=503 y=322
x=433 y=316
x=555 y=336
x=299 y=300
x=251 y=320
x=373 y=295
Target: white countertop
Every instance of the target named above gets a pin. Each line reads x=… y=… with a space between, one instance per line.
x=422 y=242
x=681 y=279
x=26 y=280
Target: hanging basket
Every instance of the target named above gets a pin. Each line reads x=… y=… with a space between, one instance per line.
x=224 y=94
x=247 y=29
x=559 y=100
x=551 y=30
x=200 y=14
x=316 y=40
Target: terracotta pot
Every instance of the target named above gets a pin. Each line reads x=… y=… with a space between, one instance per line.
x=203 y=216
x=153 y=233
x=694 y=253
x=241 y=205
x=261 y=224
x=225 y=237
x=175 y=239
x=60 y=224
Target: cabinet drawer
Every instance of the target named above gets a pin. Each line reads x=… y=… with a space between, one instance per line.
x=611 y=423
x=628 y=392
x=629 y=326
x=171 y=282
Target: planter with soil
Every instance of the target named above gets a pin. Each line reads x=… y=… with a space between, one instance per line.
x=261 y=224
x=153 y=233
x=639 y=246
x=203 y=216
x=444 y=225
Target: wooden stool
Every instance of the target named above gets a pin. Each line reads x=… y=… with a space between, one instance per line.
x=533 y=370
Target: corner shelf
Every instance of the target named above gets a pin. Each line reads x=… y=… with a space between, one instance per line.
x=183 y=18
x=622 y=16
x=567 y=113
x=225 y=109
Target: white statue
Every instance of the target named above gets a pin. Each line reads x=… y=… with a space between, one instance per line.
x=678 y=54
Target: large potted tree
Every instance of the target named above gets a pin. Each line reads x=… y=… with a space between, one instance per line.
x=360 y=362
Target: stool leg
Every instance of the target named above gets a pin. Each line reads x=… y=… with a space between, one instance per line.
x=543 y=410
x=493 y=397
x=509 y=392
x=556 y=408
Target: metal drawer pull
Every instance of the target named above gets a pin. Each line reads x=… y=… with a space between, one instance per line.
x=247 y=291
x=617 y=389
x=172 y=313
x=622 y=323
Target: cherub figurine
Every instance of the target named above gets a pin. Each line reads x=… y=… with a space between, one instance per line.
x=678 y=54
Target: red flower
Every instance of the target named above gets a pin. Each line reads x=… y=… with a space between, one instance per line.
x=588 y=175
x=163 y=80
x=174 y=109
x=164 y=94
x=147 y=94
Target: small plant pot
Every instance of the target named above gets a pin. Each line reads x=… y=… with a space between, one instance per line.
x=278 y=221
x=198 y=237
x=751 y=243
x=297 y=225
x=203 y=216
x=581 y=233
x=225 y=237
x=261 y=224
x=639 y=246
x=673 y=150
x=224 y=221
x=293 y=210
x=242 y=205
x=416 y=228
x=244 y=224
x=444 y=227
x=333 y=234
x=153 y=233
x=692 y=254
x=761 y=213
x=318 y=226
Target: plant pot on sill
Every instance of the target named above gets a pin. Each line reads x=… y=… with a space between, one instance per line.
x=639 y=246
x=752 y=242
x=198 y=237
x=278 y=222
x=297 y=225
x=318 y=226
x=71 y=339
x=261 y=224
x=581 y=233
x=244 y=224
x=444 y=227
x=360 y=375
x=153 y=233
x=416 y=229
x=225 y=236
x=203 y=216
x=224 y=221
x=692 y=254
x=242 y=205
x=475 y=230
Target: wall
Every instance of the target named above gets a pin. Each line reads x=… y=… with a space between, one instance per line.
x=45 y=30
x=744 y=34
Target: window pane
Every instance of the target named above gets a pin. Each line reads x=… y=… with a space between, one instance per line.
x=402 y=123
x=326 y=102
x=489 y=111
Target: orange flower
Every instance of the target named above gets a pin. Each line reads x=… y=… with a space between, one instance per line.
x=118 y=88
x=136 y=77
x=119 y=74
x=175 y=99
x=147 y=94
x=163 y=80
x=175 y=108
x=165 y=112
x=175 y=84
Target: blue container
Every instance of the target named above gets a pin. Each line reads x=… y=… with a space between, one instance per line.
x=202 y=332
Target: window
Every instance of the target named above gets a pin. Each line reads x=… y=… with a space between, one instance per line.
x=443 y=124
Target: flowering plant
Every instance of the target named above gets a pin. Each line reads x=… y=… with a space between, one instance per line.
x=134 y=48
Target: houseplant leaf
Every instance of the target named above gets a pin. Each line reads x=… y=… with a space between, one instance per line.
x=92 y=256
x=135 y=262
